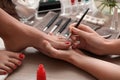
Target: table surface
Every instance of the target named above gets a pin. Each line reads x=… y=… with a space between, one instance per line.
x=55 y=69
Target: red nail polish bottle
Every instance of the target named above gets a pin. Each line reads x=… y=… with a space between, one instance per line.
x=41 y=74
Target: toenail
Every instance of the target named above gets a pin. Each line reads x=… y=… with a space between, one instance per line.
x=67 y=42
x=15 y=67
x=19 y=63
x=11 y=71
x=22 y=56
x=50 y=33
x=4 y=72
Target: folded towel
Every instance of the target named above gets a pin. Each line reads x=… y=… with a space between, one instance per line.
x=3 y=77
x=26 y=8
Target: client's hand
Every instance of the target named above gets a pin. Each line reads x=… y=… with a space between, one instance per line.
x=89 y=40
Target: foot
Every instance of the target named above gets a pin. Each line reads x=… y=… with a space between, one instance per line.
x=58 y=42
x=9 y=61
x=27 y=36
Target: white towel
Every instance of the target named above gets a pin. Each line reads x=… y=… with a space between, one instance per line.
x=3 y=77
x=26 y=8
x=2 y=47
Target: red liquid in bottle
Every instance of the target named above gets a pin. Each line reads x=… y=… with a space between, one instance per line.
x=41 y=74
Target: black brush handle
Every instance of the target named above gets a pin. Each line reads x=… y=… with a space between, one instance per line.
x=52 y=20
x=64 y=25
x=81 y=18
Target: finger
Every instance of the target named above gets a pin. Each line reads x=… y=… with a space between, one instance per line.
x=81 y=33
x=75 y=38
x=72 y=25
x=76 y=44
x=85 y=28
x=82 y=27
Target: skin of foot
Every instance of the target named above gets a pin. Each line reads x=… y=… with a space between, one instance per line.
x=28 y=36
x=17 y=36
x=9 y=61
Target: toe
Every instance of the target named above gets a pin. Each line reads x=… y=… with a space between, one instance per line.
x=17 y=56
x=3 y=72
x=63 y=45
x=11 y=65
x=6 y=68
x=15 y=61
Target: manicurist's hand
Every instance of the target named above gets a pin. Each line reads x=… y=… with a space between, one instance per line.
x=89 y=40
x=94 y=66
x=65 y=55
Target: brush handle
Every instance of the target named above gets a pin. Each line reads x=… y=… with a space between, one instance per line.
x=81 y=18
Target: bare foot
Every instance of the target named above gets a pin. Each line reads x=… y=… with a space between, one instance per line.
x=9 y=61
x=27 y=36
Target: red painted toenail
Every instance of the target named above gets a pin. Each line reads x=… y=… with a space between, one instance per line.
x=4 y=72
x=19 y=63
x=22 y=56
x=15 y=67
x=67 y=42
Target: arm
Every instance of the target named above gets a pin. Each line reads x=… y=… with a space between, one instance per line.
x=100 y=69
x=93 y=42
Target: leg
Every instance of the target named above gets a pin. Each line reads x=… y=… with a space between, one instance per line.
x=22 y=36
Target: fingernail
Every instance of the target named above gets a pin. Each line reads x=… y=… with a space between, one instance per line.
x=22 y=56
